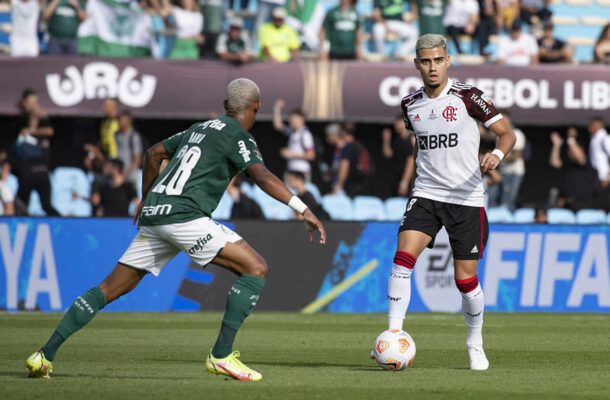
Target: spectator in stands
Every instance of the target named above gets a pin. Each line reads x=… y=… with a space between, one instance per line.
x=213 y=24
x=601 y=51
x=235 y=46
x=461 y=18
x=189 y=26
x=129 y=148
x=243 y=206
x=296 y=180
x=63 y=17
x=265 y=11
x=541 y=216
x=578 y=180
x=506 y=13
x=342 y=28
x=539 y=8
x=389 y=20
x=333 y=138
x=113 y=197
x=7 y=199
x=399 y=152
x=553 y=50
x=599 y=151
x=108 y=127
x=278 y=41
x=485 y=27
x=430 y=15
x=349 y=179
x=518 y=48
x=300 y=151
x=31 y=152
x=24 y=34
x=306 y=17
x=512 y=168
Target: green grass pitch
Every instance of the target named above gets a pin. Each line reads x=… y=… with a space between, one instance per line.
x=323 y=356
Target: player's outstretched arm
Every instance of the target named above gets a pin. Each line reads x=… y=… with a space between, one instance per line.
x=275 y=188
x=506 y=142
x=150 y=171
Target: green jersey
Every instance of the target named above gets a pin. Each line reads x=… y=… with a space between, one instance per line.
x=64 y=22
x=205 y=159
x=341 y=27
x=431 y=16
x=390 y=9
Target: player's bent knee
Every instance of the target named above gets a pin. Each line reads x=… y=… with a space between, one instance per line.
x=258 y=268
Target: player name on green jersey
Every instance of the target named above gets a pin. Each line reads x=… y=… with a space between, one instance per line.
x=205 y=159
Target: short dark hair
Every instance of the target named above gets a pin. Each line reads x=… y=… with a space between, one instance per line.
x=297 y=174
x=27 y=92
x=299 y=112
x=125 y=113
x=117 y=163
x=348 y=127
x=597 y=118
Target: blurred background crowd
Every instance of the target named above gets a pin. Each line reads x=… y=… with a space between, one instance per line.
x=341 y=169
x=514 y=32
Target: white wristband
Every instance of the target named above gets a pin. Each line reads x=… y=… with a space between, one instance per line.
x=498 y=153
x=297 y=205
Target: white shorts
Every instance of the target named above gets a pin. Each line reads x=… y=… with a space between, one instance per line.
x=154 y=246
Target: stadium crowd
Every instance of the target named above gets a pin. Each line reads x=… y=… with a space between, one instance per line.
x=285 y=30
x=339 y=167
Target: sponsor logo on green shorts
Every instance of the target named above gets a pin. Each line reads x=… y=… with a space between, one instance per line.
x=200 y=243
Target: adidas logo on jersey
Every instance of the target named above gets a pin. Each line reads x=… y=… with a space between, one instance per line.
x=440 y=141
x=416 y=118
x=474 y=249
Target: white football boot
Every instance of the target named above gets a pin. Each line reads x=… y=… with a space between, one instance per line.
x=478 y=360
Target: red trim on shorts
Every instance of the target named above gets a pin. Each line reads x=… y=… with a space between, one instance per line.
x=482 y=215
x=405 y=259
x=467 y=285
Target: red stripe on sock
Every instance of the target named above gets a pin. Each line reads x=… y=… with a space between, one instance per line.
x=467 y=285
x=404 y=259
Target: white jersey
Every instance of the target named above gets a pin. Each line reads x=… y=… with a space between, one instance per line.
x=448 y=142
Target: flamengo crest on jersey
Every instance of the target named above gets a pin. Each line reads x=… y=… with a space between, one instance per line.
x=448 y=142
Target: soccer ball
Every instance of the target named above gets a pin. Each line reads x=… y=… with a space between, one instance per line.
x=394 y=349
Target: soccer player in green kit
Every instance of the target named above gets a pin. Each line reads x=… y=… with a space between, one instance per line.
x=175 y=216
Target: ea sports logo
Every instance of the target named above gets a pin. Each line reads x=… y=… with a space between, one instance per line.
x=434 y=277
x=450 y=113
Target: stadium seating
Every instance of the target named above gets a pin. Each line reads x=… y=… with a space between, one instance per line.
x=223 y=211
x=561 y=216
x=271 y=207
x=34 y=207
x=395 y=208
x=339 y=207
x=524 y=216
x=499 y=215
x=12 y=183
x=588 y=216
x=64 y=182
x=368 y=208
x=313 y=189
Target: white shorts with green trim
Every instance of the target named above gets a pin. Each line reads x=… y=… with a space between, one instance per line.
x=154 y=246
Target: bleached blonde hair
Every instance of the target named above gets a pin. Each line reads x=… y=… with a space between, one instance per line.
x=241 y=93
x=430 y=41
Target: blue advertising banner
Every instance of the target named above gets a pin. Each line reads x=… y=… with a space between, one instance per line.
x=524 y=268
x=46 y=263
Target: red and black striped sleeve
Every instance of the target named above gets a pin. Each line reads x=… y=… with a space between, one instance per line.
x=480 y=107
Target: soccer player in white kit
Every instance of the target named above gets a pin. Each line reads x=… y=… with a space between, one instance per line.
x=448 y=189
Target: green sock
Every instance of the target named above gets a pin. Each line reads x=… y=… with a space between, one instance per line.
x=78 y=315
x=242 y=298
